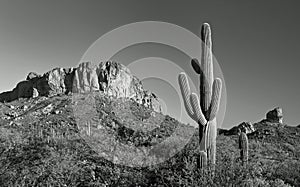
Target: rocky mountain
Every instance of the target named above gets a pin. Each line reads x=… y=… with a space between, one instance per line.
x=111 y=78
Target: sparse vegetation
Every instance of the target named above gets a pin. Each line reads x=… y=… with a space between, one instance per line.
x=32 y=155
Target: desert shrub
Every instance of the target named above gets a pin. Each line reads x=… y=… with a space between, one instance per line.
x=278 y=183
x=288 y=171
x=73 y=163
x=140 y=111
x=27 y=159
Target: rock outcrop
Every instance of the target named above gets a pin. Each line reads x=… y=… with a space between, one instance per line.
x=56 y=81
x=32 y=75
x=111 y=78
x=246 y=126
x=275 y=115
x=85 y=78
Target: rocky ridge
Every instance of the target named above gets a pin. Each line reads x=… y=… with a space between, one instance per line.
x=273 y=117
x=248 y=126
x=111 y=78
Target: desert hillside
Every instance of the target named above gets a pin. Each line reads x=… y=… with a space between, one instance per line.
x=43 y=145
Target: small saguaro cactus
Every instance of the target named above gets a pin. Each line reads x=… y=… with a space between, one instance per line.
x=243 y=145
x=204 y=111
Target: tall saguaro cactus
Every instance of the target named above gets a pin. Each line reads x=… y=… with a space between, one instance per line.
x=204 y=111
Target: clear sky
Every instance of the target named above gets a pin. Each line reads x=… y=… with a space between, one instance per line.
x=255 y=42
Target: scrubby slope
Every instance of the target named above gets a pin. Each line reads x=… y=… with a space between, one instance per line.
x=51 y=141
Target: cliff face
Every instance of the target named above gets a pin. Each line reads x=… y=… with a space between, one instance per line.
x=111 y=78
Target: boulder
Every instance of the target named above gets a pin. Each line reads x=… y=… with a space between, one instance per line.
x=35 y=93
x=275 y=115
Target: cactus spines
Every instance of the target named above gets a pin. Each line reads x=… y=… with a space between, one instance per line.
x=204 y=111
x=243 y=145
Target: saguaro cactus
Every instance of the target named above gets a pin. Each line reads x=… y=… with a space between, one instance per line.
x=243 y=146
x=204 y=111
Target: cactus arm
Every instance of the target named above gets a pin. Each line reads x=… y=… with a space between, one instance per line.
x=215 y=99
x=196 y=65
x=185 y=91
x=199 y=117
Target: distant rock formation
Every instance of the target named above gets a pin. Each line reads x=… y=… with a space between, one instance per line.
x=246 y=127
x=275 y=115
x=111 y=78
x=265 y=127
x=56 y=81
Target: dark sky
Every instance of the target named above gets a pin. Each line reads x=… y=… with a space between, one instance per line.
x=256 y=43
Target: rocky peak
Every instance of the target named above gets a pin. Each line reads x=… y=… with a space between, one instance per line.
x=275 y=115
x=111 y=78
